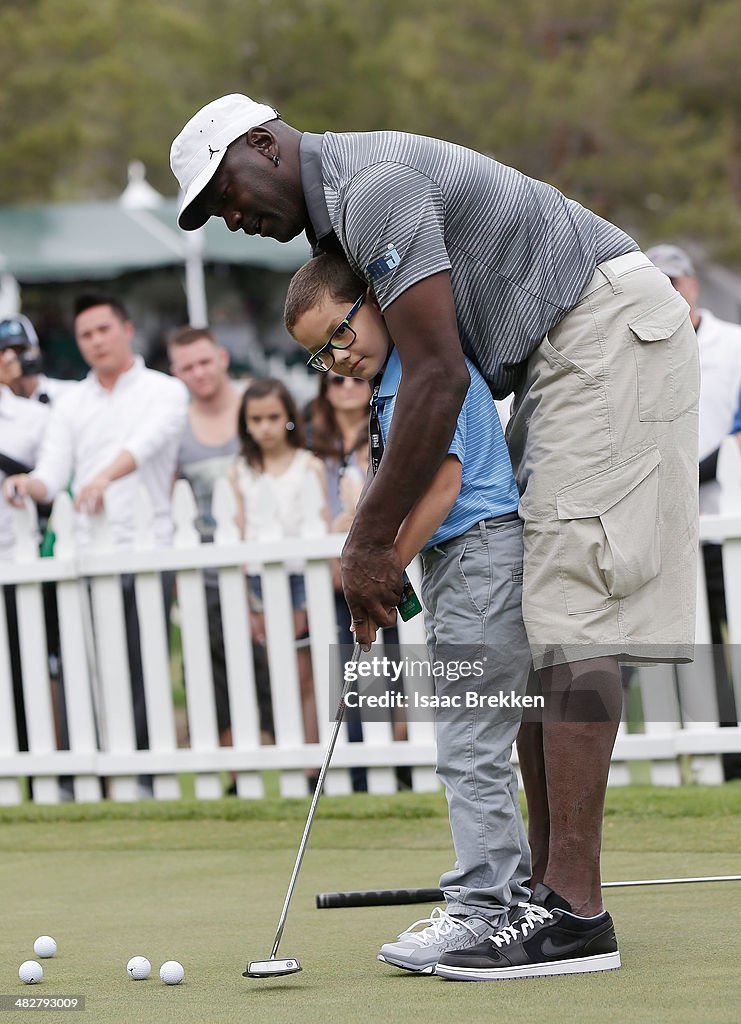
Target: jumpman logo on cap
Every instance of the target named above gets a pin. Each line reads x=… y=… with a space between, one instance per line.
x=212 y=152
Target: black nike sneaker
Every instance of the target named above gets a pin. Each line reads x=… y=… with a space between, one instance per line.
x=547 y=939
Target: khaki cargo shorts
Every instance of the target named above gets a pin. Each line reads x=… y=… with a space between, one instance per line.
x=603 y=440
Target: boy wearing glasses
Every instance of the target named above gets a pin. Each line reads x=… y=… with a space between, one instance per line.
x=469 y=535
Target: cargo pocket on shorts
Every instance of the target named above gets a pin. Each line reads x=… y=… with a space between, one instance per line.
x=608 y=533
x=665 y=354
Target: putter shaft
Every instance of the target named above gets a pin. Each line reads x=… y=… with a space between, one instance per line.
x=312 y=810
x=392 y=897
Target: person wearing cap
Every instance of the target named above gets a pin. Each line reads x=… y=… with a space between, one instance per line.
x=719 y=346
x=13 y=344
x=469 y=257
x=31 y=382
x=23 y=424
x=22 y=427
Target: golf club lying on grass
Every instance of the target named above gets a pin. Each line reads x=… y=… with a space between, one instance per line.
x=273 y=967
x=390 y=897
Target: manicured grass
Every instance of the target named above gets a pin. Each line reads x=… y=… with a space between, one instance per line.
x=203 y=883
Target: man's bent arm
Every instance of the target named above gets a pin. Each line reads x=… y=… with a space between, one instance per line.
x=433 y=386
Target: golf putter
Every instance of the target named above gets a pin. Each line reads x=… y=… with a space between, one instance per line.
x=276 y=967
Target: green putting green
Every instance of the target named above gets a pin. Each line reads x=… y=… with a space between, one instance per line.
x=203 y=883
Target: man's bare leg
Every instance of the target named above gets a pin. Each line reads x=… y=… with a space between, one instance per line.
x=532 y=767
x=583 y=707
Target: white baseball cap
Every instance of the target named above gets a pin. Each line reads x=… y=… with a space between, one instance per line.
x=198 y=150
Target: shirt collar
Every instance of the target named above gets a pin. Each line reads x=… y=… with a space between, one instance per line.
x=391 y=376
x=321 y=235
x=128 y=377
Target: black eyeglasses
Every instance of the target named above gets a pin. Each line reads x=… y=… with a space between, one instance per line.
x=341 y=337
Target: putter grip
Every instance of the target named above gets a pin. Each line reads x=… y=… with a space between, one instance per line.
x=409 y=605
x=376 y=898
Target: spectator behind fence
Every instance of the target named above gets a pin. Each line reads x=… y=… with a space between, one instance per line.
x=719 y=345
x=338 y=420
x=22 y=426
x=112 y=433
x=32 y=382
x=208 y=447
x=338 y=427
x=337 y=434
x=278 y=482
x=29 y=382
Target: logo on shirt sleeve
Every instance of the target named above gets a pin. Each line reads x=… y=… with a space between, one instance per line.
x=384 y=264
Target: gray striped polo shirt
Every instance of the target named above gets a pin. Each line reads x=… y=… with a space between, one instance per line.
x=405 y=207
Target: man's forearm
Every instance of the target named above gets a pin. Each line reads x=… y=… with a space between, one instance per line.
x=22 y=485
x=434 y=382
x=427 y=408
x=37 y=490
x=90 y=496
x=123 y=464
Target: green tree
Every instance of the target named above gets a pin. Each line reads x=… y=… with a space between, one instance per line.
x=631 y=106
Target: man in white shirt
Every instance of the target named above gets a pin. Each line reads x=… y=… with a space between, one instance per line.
x=114 y=431
x=719 y=344
x=109 y=434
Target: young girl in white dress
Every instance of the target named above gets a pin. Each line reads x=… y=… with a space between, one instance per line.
x=280 y=490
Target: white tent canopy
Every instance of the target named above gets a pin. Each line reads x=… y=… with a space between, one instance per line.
x=106 y=238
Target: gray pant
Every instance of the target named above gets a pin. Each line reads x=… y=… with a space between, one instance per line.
x=472 y=591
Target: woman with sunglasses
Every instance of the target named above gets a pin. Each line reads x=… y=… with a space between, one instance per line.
x=339 y=430
x=338 y=433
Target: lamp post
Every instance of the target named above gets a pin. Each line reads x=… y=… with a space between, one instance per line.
x=138 y=199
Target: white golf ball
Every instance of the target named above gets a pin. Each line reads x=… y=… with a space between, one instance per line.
x=172 y=973
x=138 y=968
x=45 y=946
x=30 y=972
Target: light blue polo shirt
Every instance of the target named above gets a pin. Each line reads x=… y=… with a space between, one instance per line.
x=488 y=486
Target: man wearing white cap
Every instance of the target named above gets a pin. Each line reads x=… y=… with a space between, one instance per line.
x=467 y=256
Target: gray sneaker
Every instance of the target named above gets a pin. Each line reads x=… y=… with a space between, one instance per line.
x=440 y=933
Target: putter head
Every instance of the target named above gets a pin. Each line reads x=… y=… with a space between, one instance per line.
x=271 y=968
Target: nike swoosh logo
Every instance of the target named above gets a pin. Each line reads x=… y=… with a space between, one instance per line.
x=550 y=948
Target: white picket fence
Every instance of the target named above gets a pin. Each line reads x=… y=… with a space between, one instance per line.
x=97 y=686
x=681 y=738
